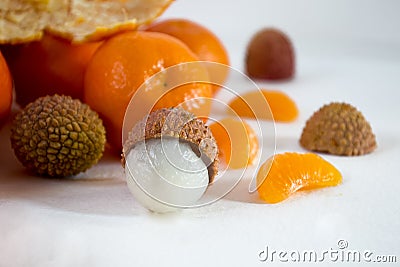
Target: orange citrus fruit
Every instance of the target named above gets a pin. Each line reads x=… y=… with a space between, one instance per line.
x=123 y=63
x=254 y=104
x=283 y=174
x=204 y=43
x=49 y=66
x=237 y=142
x=5 y=90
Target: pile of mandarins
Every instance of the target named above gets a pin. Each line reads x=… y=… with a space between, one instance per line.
x=99 y=61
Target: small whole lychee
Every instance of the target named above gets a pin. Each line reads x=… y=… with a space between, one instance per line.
x=57 y=136
x=270 y=55
x=339 y=129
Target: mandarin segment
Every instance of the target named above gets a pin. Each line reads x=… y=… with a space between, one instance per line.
x=266 y=105
x=237 y=142
x=284 y=174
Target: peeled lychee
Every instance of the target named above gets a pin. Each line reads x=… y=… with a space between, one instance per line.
x=270 y=55
x=170 y=158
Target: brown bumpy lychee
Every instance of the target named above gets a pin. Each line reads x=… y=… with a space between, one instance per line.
x=177 y=123
x=58 y=136
x=339 y=129
x=270 y=55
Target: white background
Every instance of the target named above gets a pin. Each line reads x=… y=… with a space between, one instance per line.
x=345 y=51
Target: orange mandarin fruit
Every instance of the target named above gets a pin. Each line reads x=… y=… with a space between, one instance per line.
x=123 y=63
x=204 y=43
x=5 y=90
x=49 y=66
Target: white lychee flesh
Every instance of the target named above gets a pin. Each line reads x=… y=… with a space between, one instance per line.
x=165 y=174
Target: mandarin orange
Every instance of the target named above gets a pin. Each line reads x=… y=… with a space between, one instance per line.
x=265 y=104
x=49 y=66
x=237 y=142
x=123 y=63
x=203 y=42
x=284 y=174
x=5 y=90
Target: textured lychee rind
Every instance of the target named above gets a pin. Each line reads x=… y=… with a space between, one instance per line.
x=270 y=55
x=339 y=129
x=57 y=136
x=177 y=123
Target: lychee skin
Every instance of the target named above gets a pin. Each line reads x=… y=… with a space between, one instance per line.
x=338 y=129
x=270 y=55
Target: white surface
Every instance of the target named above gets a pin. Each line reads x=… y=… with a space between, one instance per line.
x=346 y=51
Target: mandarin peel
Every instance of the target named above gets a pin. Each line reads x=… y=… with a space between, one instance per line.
x=78 y=21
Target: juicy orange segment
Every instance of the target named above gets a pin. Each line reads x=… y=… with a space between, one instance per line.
x=284 y=174
x=252 y=105
x=237 y=142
